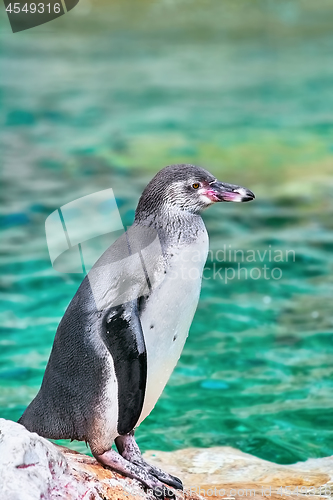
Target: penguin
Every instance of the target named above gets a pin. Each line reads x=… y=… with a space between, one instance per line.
x=124 y=330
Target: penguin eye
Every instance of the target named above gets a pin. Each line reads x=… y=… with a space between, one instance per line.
x=196 y=185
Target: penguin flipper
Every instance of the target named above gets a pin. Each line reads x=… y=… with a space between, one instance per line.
x=123 y=337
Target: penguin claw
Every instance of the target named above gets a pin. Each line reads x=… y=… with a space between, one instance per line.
x=170 y=480
x=162 y=476
x=179 y=484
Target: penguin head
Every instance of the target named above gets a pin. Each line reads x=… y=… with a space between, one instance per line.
x=187 y=188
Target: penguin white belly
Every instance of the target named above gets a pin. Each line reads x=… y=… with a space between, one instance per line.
x=168 y=315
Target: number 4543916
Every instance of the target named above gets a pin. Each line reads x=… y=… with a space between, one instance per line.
x=32 y=8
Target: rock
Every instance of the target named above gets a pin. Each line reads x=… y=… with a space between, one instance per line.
x=32 y=468
x=225 y=472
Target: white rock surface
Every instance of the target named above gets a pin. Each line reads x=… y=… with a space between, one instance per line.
x=32 y=468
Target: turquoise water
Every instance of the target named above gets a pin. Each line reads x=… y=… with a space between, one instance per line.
x=107 y=96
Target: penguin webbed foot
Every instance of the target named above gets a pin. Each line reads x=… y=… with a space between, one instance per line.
x=129 y=450
x=117 y=463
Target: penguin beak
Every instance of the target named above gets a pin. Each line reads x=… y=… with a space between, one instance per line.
x=221 y=191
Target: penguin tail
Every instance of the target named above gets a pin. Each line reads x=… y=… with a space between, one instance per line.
x=40 y=418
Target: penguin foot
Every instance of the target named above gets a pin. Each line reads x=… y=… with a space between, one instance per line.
x=117 y=463
x=166 y=478
x=129 y=450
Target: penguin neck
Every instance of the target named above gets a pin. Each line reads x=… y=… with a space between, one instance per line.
x=174 y=226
